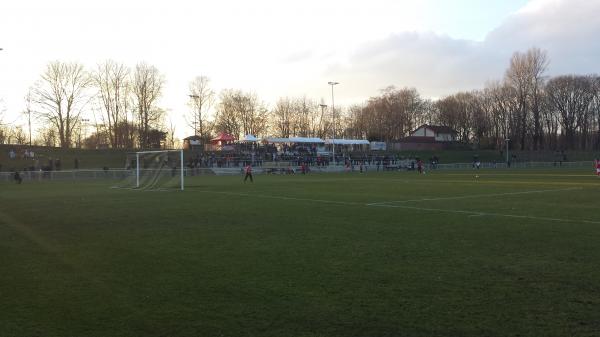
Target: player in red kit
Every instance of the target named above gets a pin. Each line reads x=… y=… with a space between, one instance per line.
x=248 y=171
x=597 y=164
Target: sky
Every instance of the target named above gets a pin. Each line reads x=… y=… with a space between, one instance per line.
x=279 y=48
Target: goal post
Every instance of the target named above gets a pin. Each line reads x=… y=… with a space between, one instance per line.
x=158 y=169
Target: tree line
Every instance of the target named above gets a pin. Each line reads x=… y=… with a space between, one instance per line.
x=533 y=110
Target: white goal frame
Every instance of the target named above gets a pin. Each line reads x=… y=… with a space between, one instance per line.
x=137 y=165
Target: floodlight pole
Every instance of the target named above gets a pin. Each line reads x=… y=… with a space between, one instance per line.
x=29 y=121
x=323 y=107
x=137 y=170
x=196 y=97
x=332 y=83
x=181 y=161
x=506 y=140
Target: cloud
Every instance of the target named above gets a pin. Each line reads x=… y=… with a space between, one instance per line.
x=567 y=29
x=439 y=65
x=298 y=56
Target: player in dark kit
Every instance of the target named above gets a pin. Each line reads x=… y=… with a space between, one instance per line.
x=248 y=170
x=18 y=178
x=419 y=166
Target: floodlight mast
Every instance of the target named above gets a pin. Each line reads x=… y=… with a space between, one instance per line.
x=506 y=140
x=137 y=170
x=182 y=168
x=332 y=83
x=196 y=98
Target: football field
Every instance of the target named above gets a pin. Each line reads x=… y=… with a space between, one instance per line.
x=507 y=253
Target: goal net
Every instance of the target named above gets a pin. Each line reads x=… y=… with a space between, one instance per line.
x=154 y=170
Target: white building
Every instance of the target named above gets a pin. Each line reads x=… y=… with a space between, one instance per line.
x=435 y=133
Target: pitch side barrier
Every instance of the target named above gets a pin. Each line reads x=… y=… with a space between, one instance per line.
x=110 y=174
x=515 y=165
x=119 y=174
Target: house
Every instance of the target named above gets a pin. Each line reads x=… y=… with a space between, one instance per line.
x=435 y=132
x=427 y=137
x=189 y=143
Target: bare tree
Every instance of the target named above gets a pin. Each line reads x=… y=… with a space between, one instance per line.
x=47 y=137
x=202 y=98
x=241 y=113
x=147 y=88
x=538 y=64
x=517 y=76
x=481 y=111
x=114 y=92
x=455 y=111
x=281 y=117
x=61 y=97
x=19 y=136
x=525 y=75
x=171 y=135
x=595 y=109
x=571 y=97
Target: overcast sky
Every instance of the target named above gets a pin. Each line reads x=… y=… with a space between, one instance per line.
x=293 y=48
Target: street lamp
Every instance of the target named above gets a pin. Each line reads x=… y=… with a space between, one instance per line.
x=333 y=116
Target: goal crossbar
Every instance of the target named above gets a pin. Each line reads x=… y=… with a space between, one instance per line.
x=158 y=151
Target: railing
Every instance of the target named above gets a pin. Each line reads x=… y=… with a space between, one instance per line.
x=68 y=175
x=515 y=165
x=116 y=174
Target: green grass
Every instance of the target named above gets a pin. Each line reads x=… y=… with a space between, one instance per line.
x=305 y=256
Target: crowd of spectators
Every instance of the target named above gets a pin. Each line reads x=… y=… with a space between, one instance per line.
x=295 y=156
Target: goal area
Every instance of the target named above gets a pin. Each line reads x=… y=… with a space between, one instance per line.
x=154 y=170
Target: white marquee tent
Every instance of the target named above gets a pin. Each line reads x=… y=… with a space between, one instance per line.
x=347 y=141
x=249 y=139
x=306 y=140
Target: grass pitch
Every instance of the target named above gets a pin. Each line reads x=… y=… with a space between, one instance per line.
x=511 y=253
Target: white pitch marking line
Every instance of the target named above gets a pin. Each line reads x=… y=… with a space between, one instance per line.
x=288 y=198
x=348 y=203
x=142 y=189
x=477 y=213
x=472 y=196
